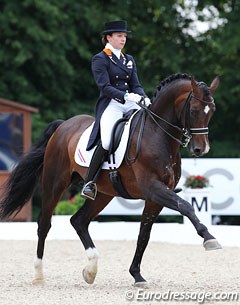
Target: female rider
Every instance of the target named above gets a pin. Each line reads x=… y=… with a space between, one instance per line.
x=115 y=74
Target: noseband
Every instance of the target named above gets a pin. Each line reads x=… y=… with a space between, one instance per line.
x=186 y=131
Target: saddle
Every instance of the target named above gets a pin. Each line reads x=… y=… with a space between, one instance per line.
x=118 y=129
x=121 y=137
x=117 y=132
x=119 y=145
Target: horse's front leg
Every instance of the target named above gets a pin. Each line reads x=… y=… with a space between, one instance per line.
x=161 y=194
x=150 y=213
x=80 y=221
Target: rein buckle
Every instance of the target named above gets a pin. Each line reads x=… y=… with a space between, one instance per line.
x=187 y=137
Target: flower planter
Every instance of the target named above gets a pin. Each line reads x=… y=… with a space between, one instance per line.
x=200 y=200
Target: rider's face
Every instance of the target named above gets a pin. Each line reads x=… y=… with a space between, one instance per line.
x=117 y=40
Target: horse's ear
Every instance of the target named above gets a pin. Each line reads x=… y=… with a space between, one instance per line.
x=195 y=87
x=214 y=85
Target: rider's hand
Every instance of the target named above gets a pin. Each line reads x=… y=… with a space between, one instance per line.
x=132 y=97
x=147 y=101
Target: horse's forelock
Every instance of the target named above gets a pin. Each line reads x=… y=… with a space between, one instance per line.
x=204 y=87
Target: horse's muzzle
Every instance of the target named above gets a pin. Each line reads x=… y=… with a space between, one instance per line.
x=199 y=148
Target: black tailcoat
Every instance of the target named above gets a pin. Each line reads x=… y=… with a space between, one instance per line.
x=114 y=78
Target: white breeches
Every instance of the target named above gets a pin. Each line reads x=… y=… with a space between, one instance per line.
x=111 y=114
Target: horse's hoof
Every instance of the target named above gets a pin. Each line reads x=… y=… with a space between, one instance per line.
x=38 y=282
x=89 y=277
x=141 y=284
x=212 y=244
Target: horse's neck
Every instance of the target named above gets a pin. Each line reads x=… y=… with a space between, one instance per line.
x=164 y=106
x=169 y=99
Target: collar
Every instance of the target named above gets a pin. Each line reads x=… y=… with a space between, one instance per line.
x=116 y=52
x=121 y=64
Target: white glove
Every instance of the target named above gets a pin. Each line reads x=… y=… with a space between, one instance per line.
x=132 y=97
x=147 y=101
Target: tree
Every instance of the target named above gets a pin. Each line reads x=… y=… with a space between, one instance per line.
x=223 y=58
x=46 y=50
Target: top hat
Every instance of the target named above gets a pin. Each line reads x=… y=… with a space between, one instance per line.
x=115 y=26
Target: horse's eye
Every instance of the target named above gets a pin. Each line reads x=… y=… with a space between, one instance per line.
x=193 y=112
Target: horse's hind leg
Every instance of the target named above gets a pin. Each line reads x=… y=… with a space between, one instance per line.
x=44 y=225
x=53 y=188
x=80 y=221
x=150 y=213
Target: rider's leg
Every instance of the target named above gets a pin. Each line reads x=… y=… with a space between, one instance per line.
x=111 y=114
x=90 y=189
x=109 y=117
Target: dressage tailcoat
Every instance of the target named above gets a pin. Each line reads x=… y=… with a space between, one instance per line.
x=114 y=77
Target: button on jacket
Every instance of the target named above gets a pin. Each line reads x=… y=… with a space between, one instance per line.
x=114 y=77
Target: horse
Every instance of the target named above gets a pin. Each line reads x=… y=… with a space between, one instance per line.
x=179 y=115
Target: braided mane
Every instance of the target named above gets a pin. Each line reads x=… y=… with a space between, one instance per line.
x=171 y=78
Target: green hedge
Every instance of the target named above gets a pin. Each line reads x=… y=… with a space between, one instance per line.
x=69 y=207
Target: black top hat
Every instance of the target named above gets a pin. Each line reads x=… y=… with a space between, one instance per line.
x=115 y=26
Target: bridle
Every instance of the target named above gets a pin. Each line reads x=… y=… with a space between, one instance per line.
x=186 y=131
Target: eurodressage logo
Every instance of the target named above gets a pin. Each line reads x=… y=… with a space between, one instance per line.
x=142 y=295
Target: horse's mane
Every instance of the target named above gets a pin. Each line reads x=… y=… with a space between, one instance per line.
x=177 y=76
x=173 y=77
x=170 y=79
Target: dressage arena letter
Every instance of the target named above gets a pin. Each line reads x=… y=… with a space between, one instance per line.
x=203 y=203
x=200 y=201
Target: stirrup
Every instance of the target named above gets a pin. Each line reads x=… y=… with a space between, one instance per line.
x=89 y=190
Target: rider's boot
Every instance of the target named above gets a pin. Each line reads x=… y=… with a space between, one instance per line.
x=89 y=189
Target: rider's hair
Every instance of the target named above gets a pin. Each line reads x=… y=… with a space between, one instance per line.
x=104 y=39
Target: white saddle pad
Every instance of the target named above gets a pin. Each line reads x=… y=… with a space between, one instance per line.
x=83 y=157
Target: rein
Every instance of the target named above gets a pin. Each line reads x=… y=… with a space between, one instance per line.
x=156 y=117
x=187 y=131
x=142 y=116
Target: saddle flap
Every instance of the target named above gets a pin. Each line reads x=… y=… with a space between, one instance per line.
x=118 y=129
x=83 y=157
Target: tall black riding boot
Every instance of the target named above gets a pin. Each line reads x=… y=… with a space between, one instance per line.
x=90 y=188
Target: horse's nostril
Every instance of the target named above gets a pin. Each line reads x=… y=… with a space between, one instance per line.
x=197 y=151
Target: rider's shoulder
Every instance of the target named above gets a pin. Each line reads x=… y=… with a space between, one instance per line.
x=100 y=59
x=100 y=55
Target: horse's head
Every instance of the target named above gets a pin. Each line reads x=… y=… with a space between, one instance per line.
x=199 y=108
x=184 y=106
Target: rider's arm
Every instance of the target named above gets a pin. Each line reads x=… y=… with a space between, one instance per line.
x=101 y=76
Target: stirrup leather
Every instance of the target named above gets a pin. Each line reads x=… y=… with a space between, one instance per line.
x=89 y=190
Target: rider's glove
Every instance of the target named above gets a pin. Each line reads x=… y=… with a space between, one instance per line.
x=147 y=101
x=132 y=97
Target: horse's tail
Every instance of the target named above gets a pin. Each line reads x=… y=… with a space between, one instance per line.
x=23 y=180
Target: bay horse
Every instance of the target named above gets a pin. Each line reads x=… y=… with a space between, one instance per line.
x=179 y=115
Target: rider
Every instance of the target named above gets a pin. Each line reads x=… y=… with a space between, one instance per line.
x=115 y=74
